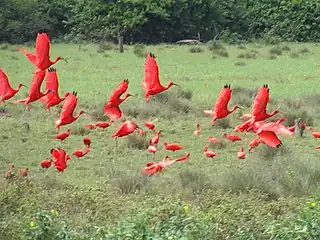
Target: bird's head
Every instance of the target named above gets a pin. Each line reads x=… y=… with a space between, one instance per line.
x=61 y=58
x=82 y=112
x=129 y=95
x=21 y=85
x=173 y=84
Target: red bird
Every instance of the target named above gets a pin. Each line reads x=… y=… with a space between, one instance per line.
x=276 y=127
x=111 y=109
x=46 y=163
x=209 y=153
x=66 y=115
x=125 y=129
x=41 y=59
x=213 y=140
x=10 y=173
x=197 y=131
x=24 y=172
x=241 y=154
x=155 y=140
x=81 y=152
x=172 y=146
x=152 y=149
x=151 y=82
x=34 y=91
x=232 y=137
x=61 y=158
x=103 y=124
x=52 y=83
x=87 y=142
x=63 y=135
x=149 y=125
x=267 y=134
x=6 y=91
x=255 y=143
x=315 y=134
x=183 y=158
x=220 y=109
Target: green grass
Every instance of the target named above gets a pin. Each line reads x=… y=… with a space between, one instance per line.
x=104 y=195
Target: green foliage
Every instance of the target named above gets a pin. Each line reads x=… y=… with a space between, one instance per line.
x=150 y=21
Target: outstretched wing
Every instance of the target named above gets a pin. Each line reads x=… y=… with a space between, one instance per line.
x=223 y=99
x=113 y=112
x=29 y=55
x=38 y=77
x=151 y=73
x=52 y=81
x=120 y=89
x=69 y=105
x=42 y=47
x=270 y=139
x=4 y=83
x=261 y=100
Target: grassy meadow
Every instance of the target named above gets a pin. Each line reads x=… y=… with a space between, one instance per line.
x=272 y=194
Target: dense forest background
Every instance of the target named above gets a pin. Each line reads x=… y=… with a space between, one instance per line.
x=151 y=21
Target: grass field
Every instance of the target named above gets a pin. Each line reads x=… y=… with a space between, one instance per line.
x=272 y=194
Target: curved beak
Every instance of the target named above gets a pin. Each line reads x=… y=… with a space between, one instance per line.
x=177 y=85
x=240 y=107
x=63 y=59
x=24 y=85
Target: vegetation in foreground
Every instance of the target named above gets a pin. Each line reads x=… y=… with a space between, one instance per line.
x=272 y=194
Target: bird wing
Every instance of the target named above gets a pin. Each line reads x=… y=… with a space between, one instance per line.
x=52 y=81
x=29 y=55
x=270 y=139
x=42 y=47
x=151 y=73
x=276 y=128
x=261 y=100
x=69 y=105
x=223 y=99
x=113 y=112
x=38 y=77
x=119 y=90
x=4 y=83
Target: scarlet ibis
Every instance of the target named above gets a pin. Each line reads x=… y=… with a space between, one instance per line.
x=24 y=172
x=111 y=109
x=6 y=91
x=313 y=133
x=267 y=134
x=63 y=135
x=52 y=82
x=152 y=149
x=10 y=173
x=126 y=128
x=66 y=115
x=155 y=140
x=149 y=125
x=81 y=152
x=241 y=154
x=103 y=124
x=46 y=163
x=151 y=82
x=41 y=58
x=220 y=109
x=232 y=137
x=61 y=158
x=183 y=158
x=213 y=140
x=34 y=91
x=87 y=142
x=172 y=146
x=209 y=153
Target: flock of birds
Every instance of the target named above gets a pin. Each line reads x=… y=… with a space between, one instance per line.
x=266 y=132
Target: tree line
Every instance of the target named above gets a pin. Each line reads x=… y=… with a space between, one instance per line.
x=149 y=21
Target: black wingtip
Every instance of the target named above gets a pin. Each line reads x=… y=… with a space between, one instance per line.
x=227 y=86
x=152 y=55
x=279 y=145
x=51 y=69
